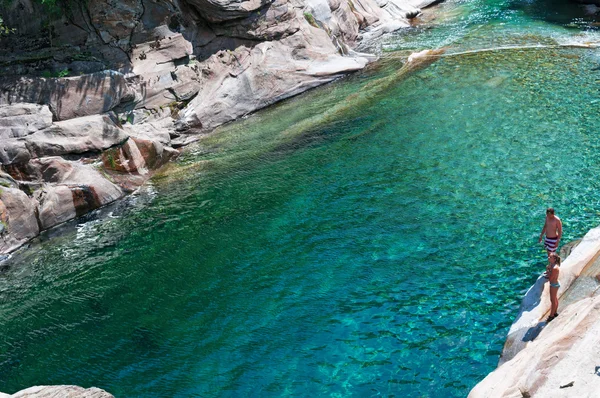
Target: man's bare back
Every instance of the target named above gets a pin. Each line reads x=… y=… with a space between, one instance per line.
x=553 y=231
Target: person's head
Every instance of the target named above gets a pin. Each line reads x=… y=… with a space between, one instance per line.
x=554 y=258
x=549 y=212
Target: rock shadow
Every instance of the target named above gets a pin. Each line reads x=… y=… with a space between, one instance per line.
x=559 y=12
x=211 y=37
x=517 y=340
x=67 y=97
x=534 y=331
x=532 y=298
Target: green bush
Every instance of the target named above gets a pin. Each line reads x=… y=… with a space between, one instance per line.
x=62 y=73
x=110 y=157
x=311 y=20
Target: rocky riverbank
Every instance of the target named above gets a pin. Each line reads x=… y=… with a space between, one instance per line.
x=557 y=359
x=95 y=95
x=59 y=391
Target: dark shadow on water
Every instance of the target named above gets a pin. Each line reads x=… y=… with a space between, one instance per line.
x=560 y=12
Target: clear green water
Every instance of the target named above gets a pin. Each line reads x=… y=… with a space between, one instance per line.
x=372 y=237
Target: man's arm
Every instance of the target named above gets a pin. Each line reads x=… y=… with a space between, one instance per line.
x=543 y=232
x=559 y=230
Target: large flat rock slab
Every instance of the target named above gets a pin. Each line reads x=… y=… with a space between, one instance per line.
x=246 y=80
x=85 y=134
x=20 y=120
x=558 y=358
x=561 y=362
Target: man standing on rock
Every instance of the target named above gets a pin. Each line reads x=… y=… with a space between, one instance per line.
x=553 y=231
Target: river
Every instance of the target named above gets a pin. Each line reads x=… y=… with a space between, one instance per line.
x=371 y=237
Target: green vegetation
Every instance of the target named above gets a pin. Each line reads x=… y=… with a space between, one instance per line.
x=52 y=7
x=174 y=108
x=110 y=158
x=28 y=189
x=83 y=56
x=5 y=30
x=61 y=73
x=311 y=20
x=125 y=117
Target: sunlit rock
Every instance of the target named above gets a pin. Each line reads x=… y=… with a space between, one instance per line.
x=561 y=362
x=178 y=69
x=559 y=358
x=18 y=217
x=20 y=120
x=85 y=134
x=535 y=306
x=62 y=392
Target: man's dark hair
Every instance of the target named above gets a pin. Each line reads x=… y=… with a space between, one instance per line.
x=550 y=210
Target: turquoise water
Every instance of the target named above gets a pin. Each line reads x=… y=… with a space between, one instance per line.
x=372 y=237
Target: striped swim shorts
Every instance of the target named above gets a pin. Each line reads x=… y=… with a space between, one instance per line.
x=551 y=244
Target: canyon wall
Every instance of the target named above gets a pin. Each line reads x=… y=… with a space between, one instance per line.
x=95 y=95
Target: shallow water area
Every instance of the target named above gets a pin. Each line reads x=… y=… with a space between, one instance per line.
x=373 y=236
